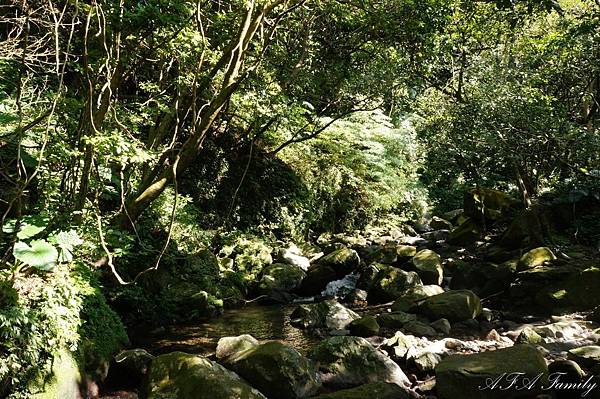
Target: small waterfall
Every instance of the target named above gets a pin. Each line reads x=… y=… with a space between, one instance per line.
x=342 y=287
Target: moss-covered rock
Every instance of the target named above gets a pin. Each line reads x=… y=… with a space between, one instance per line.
x=375 y=390
x=395 y=320
x=529 y=336
x=535 y=257
x=465 y=234
x=366 y=326
x=456 y=305
x=493 y=204
x=391 y=282
x=344 y=261
x=277 y=370
x=467 y=376
x=280 y=277
x=352 y=361
x=411 y=296
x=586 y=356
x=179 y=375
x=429 y=266
x=405 y=252
x=328 y=314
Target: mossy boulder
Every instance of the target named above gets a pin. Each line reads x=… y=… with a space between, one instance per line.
x=344 y=261
x=535 y=257
x=492 y=204
x=438 y=223
x=529 y=336
x=395 y=320
x=391 y=282
x=280 y=277
x=375 y=390
x=456 y=305
x=277 y=370
x=467 y=376
x=366 y=326
x=328 y=314
x=232 y=346
x=411 y=296
x=317 y=278
x=465 y=234
x=405 y=252
x=428 y=265
x=350 y=361
x=179 y=375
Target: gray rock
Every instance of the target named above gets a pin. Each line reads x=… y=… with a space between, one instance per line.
x=429 y=266
x=391 y=282
x=328 y=314
x=452 y=305
x=442 y=325
x=350 y=361
x=366 y=326
x=420 y=329
x=232 y=346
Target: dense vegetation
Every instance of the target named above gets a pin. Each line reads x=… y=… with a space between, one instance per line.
x=144 y=141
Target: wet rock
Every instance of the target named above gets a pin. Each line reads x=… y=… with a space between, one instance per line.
x=280 y=277
x=437 y=223
x=179 y=375
x=428 y=265
x=528 y=336
x=456 y=305
x=442 y=325
x=344 y=261
x=412 y=295
x=277 y=370
x=350 y=361
x=231 y=346
x=366 y=326
x=328 y=314
x=395 y=320
x=462 y=376
x=317 y=278
x=535 y=257
x=390 y=283
x=375 y=390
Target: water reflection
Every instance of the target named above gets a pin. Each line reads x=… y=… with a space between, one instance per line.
x=262 y=322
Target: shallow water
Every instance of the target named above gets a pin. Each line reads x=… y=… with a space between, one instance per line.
x=262 y=322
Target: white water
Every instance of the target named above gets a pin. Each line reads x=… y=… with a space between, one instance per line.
x=342 y=287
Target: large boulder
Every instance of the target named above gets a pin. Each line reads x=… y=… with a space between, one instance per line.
x=317 y=278
x=437 y=223
x=405 y=252
x=65 y=378
x=492 y=204
x=280 y=277
x=277 y=370
x=413 y=295
x=465 y=234
x=586 y=356
x=350 y=361
x=374 y=390
x=179 y=375
x=474 y=376
x=328 y=314
x=535 y=257
x=343 y=261
x=527 y=229
x=395 y=320
x=456 y=305
x=429 y=266
x=391 y=282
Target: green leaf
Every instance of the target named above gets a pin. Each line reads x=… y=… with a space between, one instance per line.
x=41 y=254
x=30 y=226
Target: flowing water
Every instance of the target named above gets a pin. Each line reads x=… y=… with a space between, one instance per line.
x=262 y=322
